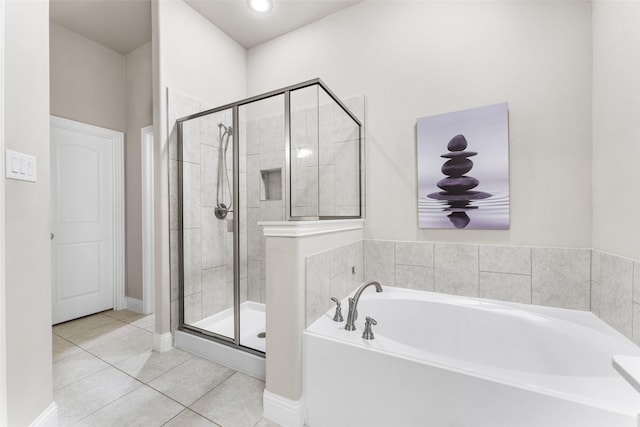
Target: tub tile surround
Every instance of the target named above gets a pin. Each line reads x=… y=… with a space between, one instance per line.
x=614 y=292
x=333 y=273
x=414 y=265
x=581 y=279
x=505 y=287
x=561 y=277
x=456 y=268
x=379 y=261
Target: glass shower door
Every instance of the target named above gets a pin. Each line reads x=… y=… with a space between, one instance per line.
x=206 y=171
x=292 y=154
x=262 y=190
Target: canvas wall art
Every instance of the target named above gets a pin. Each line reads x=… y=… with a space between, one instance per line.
x=463 y=169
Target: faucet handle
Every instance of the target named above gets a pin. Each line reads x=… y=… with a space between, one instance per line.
x=338 y=316
x=368 y=331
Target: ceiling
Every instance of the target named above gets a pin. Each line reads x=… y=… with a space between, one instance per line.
x=120 y=25
x=250 y=28
x=125 y=25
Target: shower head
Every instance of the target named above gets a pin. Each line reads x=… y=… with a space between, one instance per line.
x=226 y=129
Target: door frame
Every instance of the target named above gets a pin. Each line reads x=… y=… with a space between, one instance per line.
x=3 y=340
x=117 y=177
x=148 y=237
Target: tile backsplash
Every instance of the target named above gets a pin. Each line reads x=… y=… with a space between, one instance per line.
x=581 y=279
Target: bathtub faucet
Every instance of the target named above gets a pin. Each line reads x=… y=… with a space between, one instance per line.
x=353 y=304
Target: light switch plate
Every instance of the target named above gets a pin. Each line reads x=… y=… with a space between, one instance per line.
x=20 y=166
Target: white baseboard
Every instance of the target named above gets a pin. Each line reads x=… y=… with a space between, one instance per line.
x=286 y=412
x=49 y=418
x=162 y=342
x=134 y=304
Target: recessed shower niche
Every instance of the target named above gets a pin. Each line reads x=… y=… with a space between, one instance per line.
x=288 y=155
x=271 y=184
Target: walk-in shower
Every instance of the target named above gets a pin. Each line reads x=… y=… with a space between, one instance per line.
x=287 y=155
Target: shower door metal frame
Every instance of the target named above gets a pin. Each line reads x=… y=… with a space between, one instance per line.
x=234 y=107
x=235 y=341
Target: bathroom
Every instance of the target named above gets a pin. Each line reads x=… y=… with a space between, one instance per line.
x=570 y=96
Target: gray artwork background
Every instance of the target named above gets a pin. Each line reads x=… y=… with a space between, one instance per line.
x=485 y=129
x=486 y=132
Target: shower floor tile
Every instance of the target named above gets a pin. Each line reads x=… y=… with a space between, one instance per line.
x=105 y=374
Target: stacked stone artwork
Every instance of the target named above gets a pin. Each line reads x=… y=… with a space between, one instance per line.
x=457 y=187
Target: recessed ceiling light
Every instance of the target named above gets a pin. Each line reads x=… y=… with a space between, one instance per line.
x=260 y=5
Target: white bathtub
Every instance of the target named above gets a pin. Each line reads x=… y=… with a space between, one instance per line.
x=440 y=360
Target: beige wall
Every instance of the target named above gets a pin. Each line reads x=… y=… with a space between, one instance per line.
x=197 y=58
x=193 y=57
x=28 y=259
x=87 y=80
x=139 y=113
x=616 y=129
x=96 y=85
x=414 y=59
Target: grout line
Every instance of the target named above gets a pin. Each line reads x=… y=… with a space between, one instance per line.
x=591 y=281
x=633 y=281
x=504 y=272
x=209 y=391
x=142 y=383
x=82 y=378
x=190 y=410
x=175 y=416
x=531 y=283
x=478 y=271
x=73 y=344
x=102 y=407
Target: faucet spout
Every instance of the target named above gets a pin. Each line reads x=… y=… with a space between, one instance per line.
x=353 y=304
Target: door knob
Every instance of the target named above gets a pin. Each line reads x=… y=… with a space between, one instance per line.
x=52 y=236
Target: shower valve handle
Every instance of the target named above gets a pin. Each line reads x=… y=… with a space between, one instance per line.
x=338 y=316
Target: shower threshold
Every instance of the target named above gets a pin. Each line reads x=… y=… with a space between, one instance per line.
x=252 y=324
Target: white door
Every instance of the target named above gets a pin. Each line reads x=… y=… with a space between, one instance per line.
x=85 y=214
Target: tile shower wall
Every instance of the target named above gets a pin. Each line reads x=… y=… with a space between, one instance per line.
x=314 y=176
x=264 y=193
x=324 y=156
x=208 y=244
x=338 y=160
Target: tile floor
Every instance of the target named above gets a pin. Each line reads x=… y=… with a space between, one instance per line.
x=105 y=374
